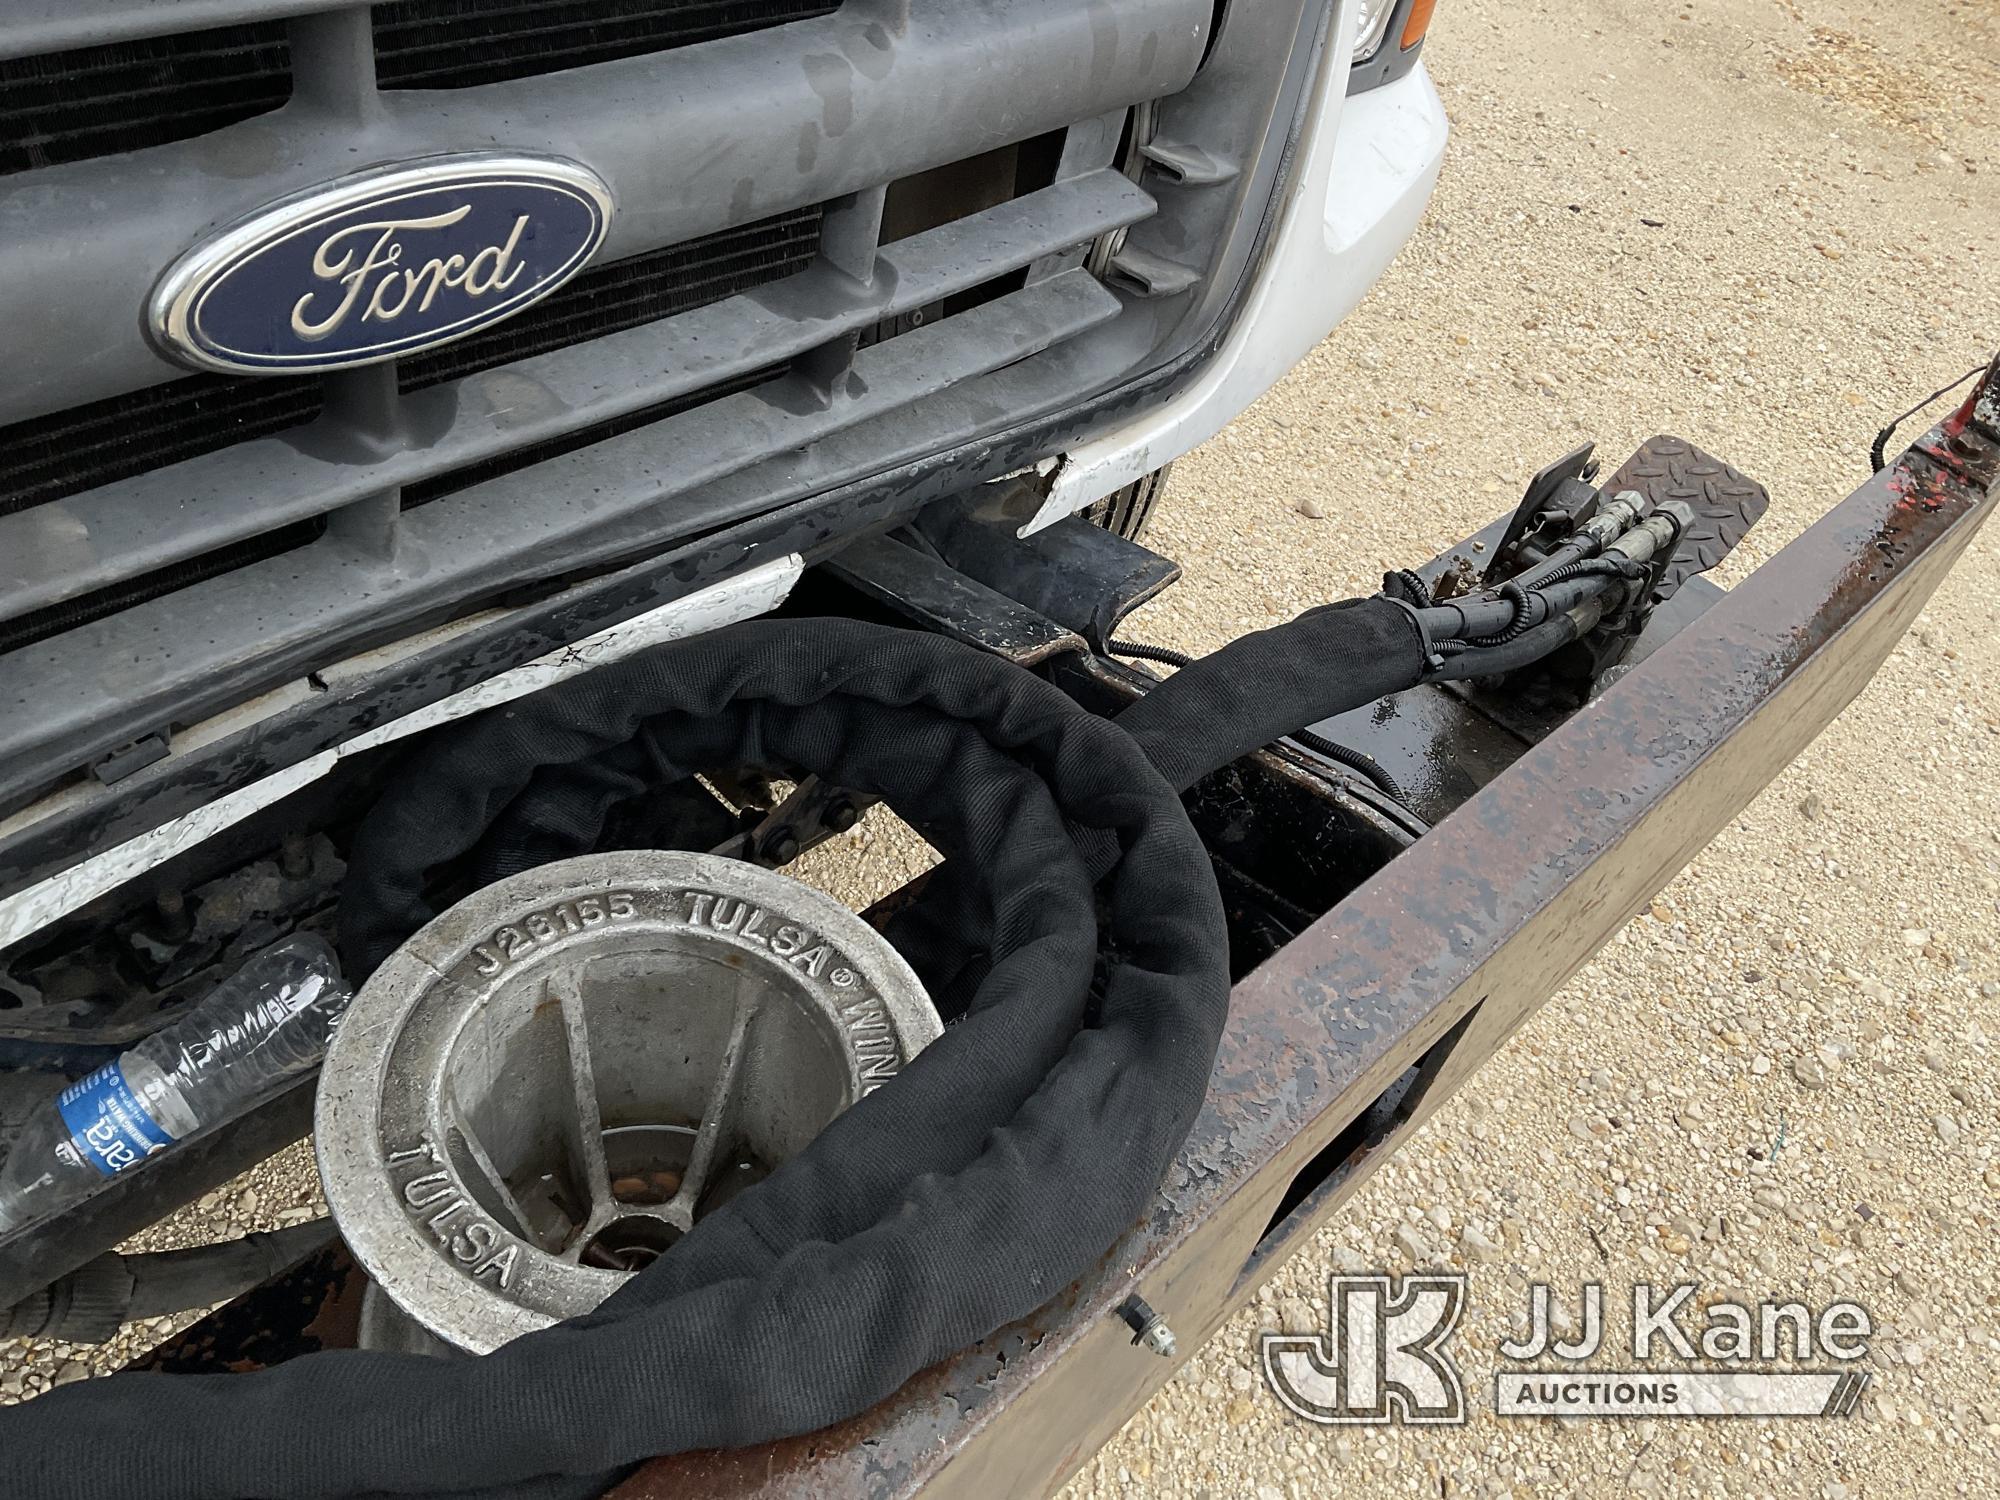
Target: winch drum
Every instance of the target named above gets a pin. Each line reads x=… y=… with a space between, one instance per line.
x=546 y=1087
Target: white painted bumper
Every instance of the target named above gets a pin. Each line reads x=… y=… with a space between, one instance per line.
x=1369 y=166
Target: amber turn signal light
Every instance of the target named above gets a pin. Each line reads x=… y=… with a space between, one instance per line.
x=1418 y=24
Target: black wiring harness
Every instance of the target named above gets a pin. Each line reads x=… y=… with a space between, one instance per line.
x=1878 y=451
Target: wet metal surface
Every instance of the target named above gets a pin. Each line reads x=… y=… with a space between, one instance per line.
x=1074 y=573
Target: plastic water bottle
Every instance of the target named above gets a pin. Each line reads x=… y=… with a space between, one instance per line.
x=263 y=1026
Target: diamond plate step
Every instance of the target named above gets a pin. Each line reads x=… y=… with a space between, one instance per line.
x=1726 y=504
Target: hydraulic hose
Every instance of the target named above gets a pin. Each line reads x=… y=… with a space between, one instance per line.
x=1479 y=619
x=1260 y=688
x=1525 y=650
x=1590 y=539
x=995 y=1169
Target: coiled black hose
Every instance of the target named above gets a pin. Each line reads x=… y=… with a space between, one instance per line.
x=1517 y=596
x=1140 y=651
x=1620 y=569
x=990 y=1173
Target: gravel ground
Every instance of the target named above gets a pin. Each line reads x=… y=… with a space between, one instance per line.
x=1824 y=192
x=1766 y=225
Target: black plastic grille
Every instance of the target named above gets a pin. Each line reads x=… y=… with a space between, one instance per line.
x=25 y=630
x=454 y=480
x=47 y=458
x=422 y=44
x=627 y=293
x=126 y=96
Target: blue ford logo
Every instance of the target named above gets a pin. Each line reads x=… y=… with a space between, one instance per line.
x=379 y=265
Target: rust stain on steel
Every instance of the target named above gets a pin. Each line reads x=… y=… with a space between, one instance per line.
x=1982 y=411
x=1509 y=896
x=845 y=1459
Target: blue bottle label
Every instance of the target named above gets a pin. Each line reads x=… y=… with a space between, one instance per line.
x=108 y=1125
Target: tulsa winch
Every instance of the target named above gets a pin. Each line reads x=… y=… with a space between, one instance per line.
x=548 y=1085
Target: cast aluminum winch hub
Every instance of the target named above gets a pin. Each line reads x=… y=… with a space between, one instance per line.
x=548 y=1085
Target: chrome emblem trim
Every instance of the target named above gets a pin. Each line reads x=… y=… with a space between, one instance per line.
x=386 y=263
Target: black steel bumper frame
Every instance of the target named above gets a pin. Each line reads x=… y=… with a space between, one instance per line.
x=1348 y=1039
x=1345 y=1041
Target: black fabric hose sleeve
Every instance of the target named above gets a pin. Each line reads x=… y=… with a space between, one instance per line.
x=90 y=1304
x=173 y=1281
x=992 y=1172
x=1260 y=688
x=996 y=1168
x=1354 y=760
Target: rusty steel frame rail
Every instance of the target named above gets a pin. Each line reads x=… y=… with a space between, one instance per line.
x=1340 y=1045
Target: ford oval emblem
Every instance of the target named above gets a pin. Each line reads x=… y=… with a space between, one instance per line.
x=382 y=264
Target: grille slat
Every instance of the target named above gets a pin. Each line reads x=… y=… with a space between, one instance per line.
x=128 y=96
x=520 y=458
x=273 y=620
x=26 y=629
x=548 y=38
x=114 y=439
x=651 y=400
x=627 y=293
x=20 y=109
x=48 y=458
x=613 y=344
